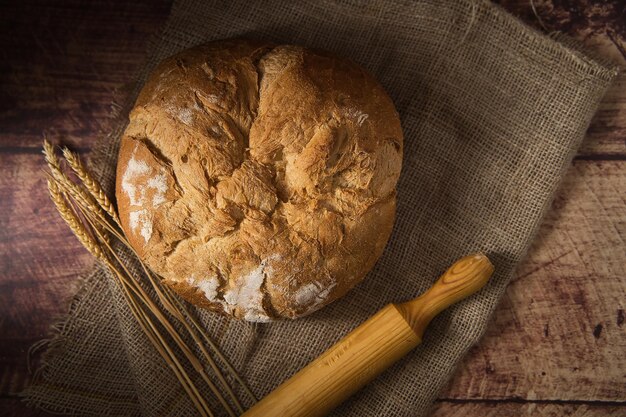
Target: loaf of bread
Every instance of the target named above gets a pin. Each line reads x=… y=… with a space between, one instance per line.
x=259 y=180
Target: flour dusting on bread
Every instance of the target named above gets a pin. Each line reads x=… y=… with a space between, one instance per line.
x=209 y=286
x=311 y=295
x=358 y=115
x=247 y=295
x=140 y=220
x=139 y=195
x=306 y=294
x=185 y=116
x=134 y=169
x=159 y=184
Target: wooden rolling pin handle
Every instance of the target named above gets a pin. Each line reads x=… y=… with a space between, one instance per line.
x=370 y=348
x=462 y=279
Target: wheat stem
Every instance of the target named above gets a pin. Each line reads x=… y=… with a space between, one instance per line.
x=162 y=347
x=179 y=315
x=159 y=340
x=217 y=352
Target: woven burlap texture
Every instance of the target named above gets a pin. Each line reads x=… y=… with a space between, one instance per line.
x=492 y=113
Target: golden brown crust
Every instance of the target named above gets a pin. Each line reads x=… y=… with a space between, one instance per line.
x=259 y=180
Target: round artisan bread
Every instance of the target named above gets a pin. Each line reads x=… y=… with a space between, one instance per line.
x=259 y=180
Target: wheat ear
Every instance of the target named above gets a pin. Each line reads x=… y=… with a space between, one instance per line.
x=91 y=184
x=67 y=214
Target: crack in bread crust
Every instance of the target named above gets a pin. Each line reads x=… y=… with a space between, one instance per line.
x=281 y=161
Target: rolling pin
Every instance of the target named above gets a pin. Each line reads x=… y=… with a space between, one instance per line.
x=372 y=347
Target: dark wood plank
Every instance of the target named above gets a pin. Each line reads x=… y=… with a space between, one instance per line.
x=515 y=409
x=559 y=332
x=61 y=66
x=601 y=26
x=63 y=63
x=41 y=261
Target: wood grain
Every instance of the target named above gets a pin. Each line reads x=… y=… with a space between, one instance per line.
x=518 y=409
x=63 y=63
x=462 y=279
x=61 y=66
x=559 y=332
x=40 y=259
x=343 y=369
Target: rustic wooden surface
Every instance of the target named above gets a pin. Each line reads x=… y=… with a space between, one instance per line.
x=524 y=408
x=557 y=342
x=61 y=66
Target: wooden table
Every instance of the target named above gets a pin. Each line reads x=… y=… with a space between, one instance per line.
x=557 y=343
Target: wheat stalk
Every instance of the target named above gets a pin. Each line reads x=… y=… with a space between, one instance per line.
x=215 y=349
x=132 y=295
x=166 y=299
x=92 y=217
x=70 y=215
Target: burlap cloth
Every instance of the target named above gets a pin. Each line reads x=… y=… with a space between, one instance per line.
x=492 y=113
